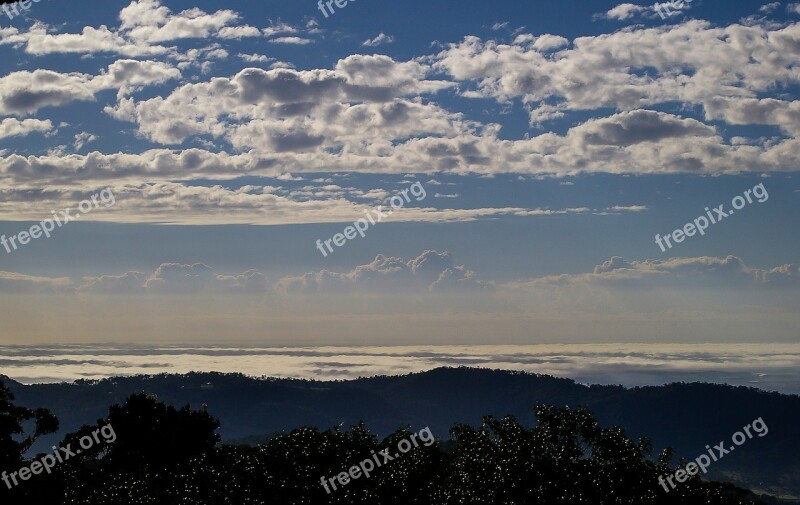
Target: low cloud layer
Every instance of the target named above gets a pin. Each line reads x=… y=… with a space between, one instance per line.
x=630 y=365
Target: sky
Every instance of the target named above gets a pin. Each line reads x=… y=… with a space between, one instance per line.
x=399 y=173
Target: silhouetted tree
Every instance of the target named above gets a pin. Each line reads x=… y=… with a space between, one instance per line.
x=168 y=456
x=13 y=444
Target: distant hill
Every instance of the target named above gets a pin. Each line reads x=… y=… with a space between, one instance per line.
x=685 y=416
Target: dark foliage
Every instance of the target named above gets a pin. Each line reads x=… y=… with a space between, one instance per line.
x=167 y=456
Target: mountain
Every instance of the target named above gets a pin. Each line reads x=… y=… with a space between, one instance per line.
x=687 y=417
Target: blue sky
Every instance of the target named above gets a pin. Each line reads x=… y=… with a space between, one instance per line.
x=553 y=142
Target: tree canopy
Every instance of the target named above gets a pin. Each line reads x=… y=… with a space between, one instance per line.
x=163 y=455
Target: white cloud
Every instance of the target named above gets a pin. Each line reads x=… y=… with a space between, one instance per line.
x=298 y=41
x=238 y=32
x=23 y=92
x=38 y=41
x=691 y=63
x=770 y=7
x=677 y=273
x=430 y=271
x=381 y=38
x=144 y=25
x=133 y=73
x=11 y=127
x=624 y=11
x=279 y=28
x=149 y=20
x=255 y=58
x=82 y=139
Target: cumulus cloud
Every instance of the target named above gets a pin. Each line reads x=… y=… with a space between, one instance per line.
x=279 y=28
x=770 y=7
x=12 y=127
x=691 y=63
x=430 y=271
x=294 y=110
x=376 y=114
x=703 y=272
x=83 y=138
x=38 y=41
x=624 y=11
x=17 y=283
x=24 y=92
x=297 y=41
x=381 y=38
x=176 y=278
x=255 y=58
x=144 y=26
x=238 y=32
x=151 y=21
x=634 y=127
x=176 y=203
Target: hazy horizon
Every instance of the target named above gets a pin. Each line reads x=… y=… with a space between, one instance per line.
x=629 y=365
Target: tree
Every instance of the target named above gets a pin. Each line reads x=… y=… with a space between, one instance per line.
x=14 y=443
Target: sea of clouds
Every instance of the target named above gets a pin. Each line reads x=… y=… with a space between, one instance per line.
x=772 y=367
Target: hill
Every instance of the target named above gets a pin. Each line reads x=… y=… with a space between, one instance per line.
x=686 y=417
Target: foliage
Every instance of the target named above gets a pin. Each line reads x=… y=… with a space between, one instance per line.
x=168 y=456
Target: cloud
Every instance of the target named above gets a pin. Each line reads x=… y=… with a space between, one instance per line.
x=634 y=127
x=149 y=20
x=381 y=38
x=176 y=203
x=17 y=283
x=255 y=58
x=144 y=25
x=176 y=278
x=238 y=32
x=690 y=63
x=703 y=272
x=11 y=127
x=430 y=271
x=133 y=73
x=279 y=28
x=82 y=139
x=770 y=7
x=24 y=92
x=297 y=41
x=631 y=365
x=624 y=11
x=304 y=110
x=38 y=41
